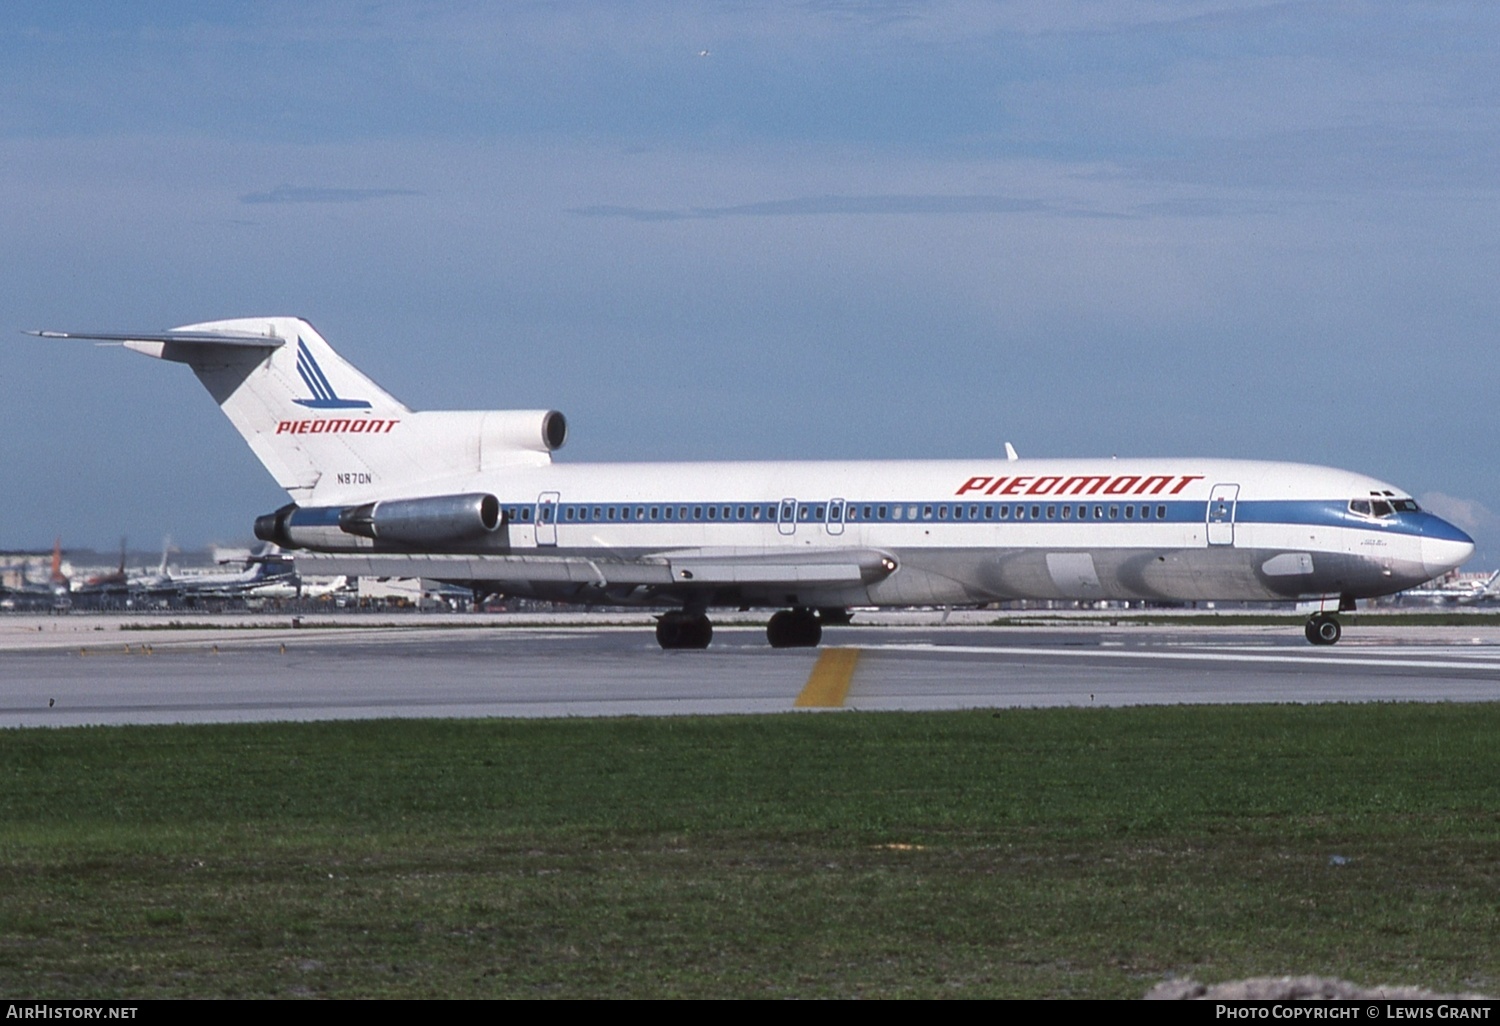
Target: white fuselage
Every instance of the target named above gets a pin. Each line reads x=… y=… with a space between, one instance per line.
x=957 y=532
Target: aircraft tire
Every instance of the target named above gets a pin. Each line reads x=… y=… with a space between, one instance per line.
x=1323 y=629
x=794 y=628
x=684 y=630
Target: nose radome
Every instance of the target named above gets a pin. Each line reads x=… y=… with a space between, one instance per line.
x=1439 y=555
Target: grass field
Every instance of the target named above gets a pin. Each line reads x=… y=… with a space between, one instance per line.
x=1019 y=853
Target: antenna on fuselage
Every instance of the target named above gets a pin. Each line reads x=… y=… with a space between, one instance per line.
x=1010 y=452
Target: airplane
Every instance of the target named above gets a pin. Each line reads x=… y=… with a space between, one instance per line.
x=56 y=594
x=261 y=568
x=475 y=498
x=1462 y=592
x=100 y=586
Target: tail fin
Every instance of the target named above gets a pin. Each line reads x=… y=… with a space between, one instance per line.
x=280 y=399
x=325 y=431
x=58 y=577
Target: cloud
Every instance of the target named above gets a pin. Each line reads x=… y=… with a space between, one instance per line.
x=822 y=205
x=1469 y=514
x=305 y=194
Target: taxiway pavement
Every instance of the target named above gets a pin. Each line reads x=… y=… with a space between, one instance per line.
x=88 y=670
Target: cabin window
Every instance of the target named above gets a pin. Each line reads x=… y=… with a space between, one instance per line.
x=1098 y=512
x=1129 y=512
x=1114 y=512
x=570 y=513
x=942 y=512
x=1020 y=512
x=1161 y=512
x=1067 y=512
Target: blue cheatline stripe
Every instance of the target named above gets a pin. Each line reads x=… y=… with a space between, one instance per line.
x=1310 y=513
x=316 y=516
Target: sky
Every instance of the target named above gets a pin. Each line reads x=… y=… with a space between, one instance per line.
x=1228 y=228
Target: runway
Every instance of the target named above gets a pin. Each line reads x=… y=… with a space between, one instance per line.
x=87 y=670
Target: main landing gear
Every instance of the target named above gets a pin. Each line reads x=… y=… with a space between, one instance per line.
x=1323 y=629
x=790 y=628
x=682 y=629
x=794 y=628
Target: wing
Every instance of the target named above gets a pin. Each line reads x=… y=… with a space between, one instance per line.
x=685 y=569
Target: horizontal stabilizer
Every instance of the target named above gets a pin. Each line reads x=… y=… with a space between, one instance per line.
x=238 y=339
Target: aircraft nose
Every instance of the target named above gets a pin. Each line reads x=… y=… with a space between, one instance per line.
x=1444 y=553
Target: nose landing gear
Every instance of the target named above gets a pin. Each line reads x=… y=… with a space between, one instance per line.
x=1323 y=629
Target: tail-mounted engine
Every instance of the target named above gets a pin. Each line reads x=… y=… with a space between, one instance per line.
x=458 y=520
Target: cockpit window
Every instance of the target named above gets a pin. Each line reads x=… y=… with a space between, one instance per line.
x=1379 y=507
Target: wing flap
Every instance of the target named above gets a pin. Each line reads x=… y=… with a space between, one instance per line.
x=834 y=567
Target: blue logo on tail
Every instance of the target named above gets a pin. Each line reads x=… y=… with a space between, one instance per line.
x=324 y=397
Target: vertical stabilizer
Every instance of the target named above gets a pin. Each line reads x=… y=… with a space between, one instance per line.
x=302 y=408
x=325 y=431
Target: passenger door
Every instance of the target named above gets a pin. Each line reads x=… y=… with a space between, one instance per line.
x=546 y=518
x=1220 y=517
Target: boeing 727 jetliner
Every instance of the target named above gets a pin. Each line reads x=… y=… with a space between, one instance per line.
x=474 y=498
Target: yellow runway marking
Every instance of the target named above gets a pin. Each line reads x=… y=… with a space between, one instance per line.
x=829 y=684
